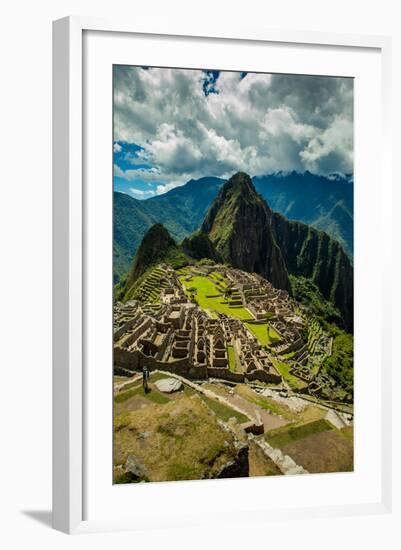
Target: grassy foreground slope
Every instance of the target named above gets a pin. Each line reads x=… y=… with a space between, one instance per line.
x=179 y=440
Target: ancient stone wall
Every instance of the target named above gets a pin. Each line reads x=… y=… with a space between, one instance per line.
x=125 y=359
x=225 y=374
x=124 y=328
x=135 y=334
x=264 y=376
x=293 y=346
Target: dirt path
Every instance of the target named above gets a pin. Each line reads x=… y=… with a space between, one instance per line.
x=120 y=383
x=270 y=421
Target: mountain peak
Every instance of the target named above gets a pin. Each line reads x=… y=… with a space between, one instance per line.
x=238 y=193
x=240 y=182
x=238 y=224
x=154 y=246
x=159 y=233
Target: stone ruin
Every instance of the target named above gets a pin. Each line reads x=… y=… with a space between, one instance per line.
x=176 y=335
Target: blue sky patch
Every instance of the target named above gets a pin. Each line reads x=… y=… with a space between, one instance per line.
x=209 y=82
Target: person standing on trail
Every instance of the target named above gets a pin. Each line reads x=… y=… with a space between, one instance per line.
x=145 y=378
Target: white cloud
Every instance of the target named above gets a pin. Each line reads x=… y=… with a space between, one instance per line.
x=259 y=124
x=142 y=174
x=332 y=148
x=117 y=148
x=118 y=172
x=160 y=189
x=141 y=193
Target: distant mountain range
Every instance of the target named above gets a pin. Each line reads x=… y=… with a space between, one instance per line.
x=180 y=210
x=326 y=203
x=241 y=229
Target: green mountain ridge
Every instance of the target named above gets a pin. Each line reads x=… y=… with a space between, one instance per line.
x=314 y=200
x=181 y=211
x=156 y=246
x=314 y=255
x=325 y=203
x=199 y=246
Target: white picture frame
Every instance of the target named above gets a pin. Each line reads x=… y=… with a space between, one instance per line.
x=69 y=260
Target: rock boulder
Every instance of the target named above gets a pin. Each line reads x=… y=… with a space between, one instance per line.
x=169 y=385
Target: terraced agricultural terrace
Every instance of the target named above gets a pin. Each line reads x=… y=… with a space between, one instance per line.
x=246 y=359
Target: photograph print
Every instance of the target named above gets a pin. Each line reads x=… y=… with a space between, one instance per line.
x=233 y=274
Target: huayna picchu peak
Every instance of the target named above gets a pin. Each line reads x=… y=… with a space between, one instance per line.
x=250 y=236
x=238 y=223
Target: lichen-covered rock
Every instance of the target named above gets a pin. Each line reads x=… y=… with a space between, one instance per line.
x=239 y=467
x=135 y=468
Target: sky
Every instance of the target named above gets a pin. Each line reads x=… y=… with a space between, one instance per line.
x=173 y=125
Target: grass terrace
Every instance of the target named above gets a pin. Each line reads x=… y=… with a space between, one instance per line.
x=281 y=437
x=149 y=286
x=220 y=280
x=209 y=297
x=222 y=411
x=284 y=369
x=232 y=362
x=316 y=445
x=153 y=396
x=288 y=355
x=263 y=332
x=176 y=441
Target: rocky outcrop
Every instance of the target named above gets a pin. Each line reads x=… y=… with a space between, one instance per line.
x=133 y=471
x=239 y=467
